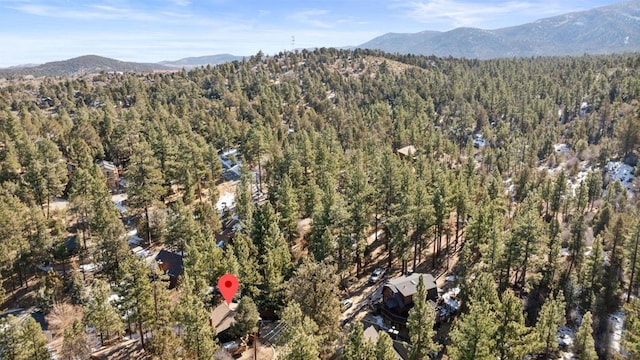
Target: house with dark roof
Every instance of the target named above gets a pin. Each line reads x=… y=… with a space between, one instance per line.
x=397 y=296
x=171 y=264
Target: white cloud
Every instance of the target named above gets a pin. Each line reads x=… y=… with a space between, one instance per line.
x=95 y=12
x=311 y=18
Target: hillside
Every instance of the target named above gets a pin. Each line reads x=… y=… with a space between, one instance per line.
x=510 y=184
x=82 y=65
x=191 y=62
x=609 y=29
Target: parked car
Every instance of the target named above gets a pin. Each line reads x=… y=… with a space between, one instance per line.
x=346 y=303
x=376 y=275
x=234 y=347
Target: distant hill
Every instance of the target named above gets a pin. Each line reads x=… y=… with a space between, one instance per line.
x=608 y=29
x=88 y=64
x=201 y=61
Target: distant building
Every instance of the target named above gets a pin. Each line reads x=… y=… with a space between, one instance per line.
x=110 y=172
x=407 y=152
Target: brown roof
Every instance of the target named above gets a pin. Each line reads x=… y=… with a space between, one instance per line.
x=406 y=284
x=222 y=316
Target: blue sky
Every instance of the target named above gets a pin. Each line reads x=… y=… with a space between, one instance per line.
x=37 y=31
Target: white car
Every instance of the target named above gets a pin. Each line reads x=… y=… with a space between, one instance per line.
x=376 y=275
x=346 y=303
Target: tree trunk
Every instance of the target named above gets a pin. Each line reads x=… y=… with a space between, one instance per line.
x=141 y=331
x=448 y=231
x=434 y=251
x=633 y=266
x=457 y=231
x=415 y=251
x=148 y=229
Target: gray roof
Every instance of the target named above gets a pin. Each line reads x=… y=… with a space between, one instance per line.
x=406 y=285
x=371 y=334
x=107 y=165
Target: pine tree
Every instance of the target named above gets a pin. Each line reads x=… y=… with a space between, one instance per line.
x=182 y=227
x=633 y=244
x=145 y=181
x=441 y=212
x=315 y=287
x=384 y=347
x=136 y=294
x=511 y=335
x=584 y=344
x=75 y=345
x=245 y=207
x=33 y=342
x=592 y=275
x=164 y=344
x=287 y=207
x=299 y=335
x=246 y=253
x=357 y=347
x=109 y=232
x=246 y=317
x=10 y=341
x=472 y=336
x=558 y=191
x=546 y=330
x=81 y=198
x=198 y=337
x=420 y=324
x=358 y=197
x=631 y=334
x=100 y=313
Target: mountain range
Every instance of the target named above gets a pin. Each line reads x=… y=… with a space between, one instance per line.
x=604 y=30
x=87 y=64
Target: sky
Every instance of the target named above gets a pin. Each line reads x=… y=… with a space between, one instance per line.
x=37 y=31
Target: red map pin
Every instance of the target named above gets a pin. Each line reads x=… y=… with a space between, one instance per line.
x=228 y=285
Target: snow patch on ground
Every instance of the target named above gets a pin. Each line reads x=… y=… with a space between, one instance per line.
x=561 y=148
x=133 y=238
x=58 y=203
x=566 y=337
x=380 y=322
x=620 y=171
x=616 y=320
x=118 y=201
x=580 y=176
x=226 y=199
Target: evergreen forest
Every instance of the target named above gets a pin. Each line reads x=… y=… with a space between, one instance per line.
x=510 y=180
